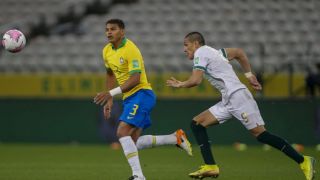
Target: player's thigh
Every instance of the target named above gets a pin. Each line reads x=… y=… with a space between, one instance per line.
x=206 y=118
x=257 y=130
x=216 y=114
x=124 y=129
x=137 y=109
x=148 y=101
x=245 y=109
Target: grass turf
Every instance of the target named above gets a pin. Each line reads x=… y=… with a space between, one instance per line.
x=99 y=162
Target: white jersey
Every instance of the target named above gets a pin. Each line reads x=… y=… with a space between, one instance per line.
x=218 y=70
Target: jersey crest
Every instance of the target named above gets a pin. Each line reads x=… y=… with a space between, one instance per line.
x=121 y=60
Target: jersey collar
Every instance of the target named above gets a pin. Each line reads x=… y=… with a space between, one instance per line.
x=123 y=42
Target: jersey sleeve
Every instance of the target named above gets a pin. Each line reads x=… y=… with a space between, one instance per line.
x=223 y=52
x=200 y=62
x=134 y=58
x=104 y=52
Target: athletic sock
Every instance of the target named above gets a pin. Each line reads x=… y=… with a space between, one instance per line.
x=280 y=144
x=202 y=139
x=149 y=141
x=131 y=152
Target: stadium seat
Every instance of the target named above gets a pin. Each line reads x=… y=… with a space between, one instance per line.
x=158 y=28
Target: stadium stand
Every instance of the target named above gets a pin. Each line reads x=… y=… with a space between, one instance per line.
x=274 y=33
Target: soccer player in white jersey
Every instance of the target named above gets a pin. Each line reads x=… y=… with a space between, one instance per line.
x=236 y=101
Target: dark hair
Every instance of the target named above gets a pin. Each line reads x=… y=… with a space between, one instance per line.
x=196 y=36
x=118 y=22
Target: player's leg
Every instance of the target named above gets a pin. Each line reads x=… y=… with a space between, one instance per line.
x=213 y=116
x=306 y=162
x=198 y=126
x=143 y=111
x=132 y=118
x=129 y=148
x=277 y=142
x=245 y=108
x=177 y=138
x=136 y=132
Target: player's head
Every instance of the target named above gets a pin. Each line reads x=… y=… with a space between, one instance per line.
x=115 y=30
x=192 y=41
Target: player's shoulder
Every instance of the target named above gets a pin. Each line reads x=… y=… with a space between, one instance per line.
x=107 y=47
x=223 y=52
x=205 y=50
x=130 y=43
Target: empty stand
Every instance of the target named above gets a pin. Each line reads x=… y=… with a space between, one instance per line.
x=272 y=33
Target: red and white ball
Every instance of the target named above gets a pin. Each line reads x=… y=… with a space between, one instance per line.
x=13 y=40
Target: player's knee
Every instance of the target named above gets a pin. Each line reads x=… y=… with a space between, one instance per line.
x=257 y=131
x=122 y=133
x=195 y=119
x=201 y=120
x=263 y=137
x=119 y=134
x=195 y=126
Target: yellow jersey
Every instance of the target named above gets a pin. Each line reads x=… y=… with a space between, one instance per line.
x=124 y=61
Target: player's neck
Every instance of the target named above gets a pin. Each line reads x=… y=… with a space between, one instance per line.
x=117 y=44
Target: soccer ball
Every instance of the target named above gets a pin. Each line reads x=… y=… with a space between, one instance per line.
x=13 y=40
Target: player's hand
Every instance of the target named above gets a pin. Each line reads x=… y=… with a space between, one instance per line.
x=107 y=109
x=101 y=98
x=172 y=82
x=254 y=83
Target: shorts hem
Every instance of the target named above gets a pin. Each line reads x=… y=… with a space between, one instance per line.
x=145 y=126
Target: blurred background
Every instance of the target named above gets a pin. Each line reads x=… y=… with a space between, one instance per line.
x=46 y=90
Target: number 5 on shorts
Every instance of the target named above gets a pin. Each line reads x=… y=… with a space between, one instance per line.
x=134 y=109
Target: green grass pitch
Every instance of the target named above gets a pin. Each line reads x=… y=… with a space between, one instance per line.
x=99 y=162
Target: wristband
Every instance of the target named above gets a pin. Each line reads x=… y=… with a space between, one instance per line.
x=115 y=91
x=248 y=74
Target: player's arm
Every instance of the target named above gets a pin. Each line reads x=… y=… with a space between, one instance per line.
x=110 y=79
x=194 y=80
x=134 y=68
x=110 y=84
x=132 y=82
x=103 y=97
x=106 y=97
x=239 y=55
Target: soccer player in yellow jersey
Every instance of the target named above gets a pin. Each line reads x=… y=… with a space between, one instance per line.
x=124 y=64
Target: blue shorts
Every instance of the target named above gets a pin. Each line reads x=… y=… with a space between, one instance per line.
x=137 y=108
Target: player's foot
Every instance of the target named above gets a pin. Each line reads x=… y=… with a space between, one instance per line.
x=206 y=171
x=136 y=177
x=307 y=166
x=183 y=142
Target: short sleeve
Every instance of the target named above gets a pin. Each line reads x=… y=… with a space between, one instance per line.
x=105 y=58
x=200 y=62
x=223 y=52
x=134 y=58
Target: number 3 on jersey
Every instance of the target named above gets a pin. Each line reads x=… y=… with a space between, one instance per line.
x=134 y=109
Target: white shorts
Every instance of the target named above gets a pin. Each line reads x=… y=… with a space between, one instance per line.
x=242 y=106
